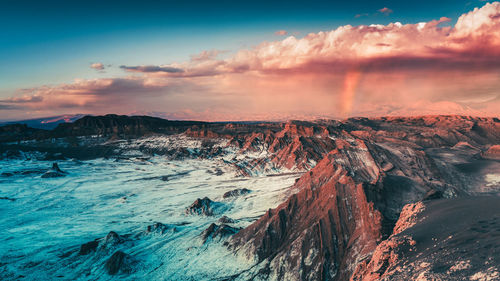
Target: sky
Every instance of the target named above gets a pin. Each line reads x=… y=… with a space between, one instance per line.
x=249 y=60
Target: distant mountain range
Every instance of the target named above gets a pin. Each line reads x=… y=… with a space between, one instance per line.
x=47 y=123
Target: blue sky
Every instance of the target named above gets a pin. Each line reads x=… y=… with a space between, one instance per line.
x=46 y=42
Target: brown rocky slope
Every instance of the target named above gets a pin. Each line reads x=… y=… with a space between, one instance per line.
x=350 y=202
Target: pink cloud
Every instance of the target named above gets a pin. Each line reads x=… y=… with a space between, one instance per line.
x=281 y=32
x=205 y=55
x=424 y=44
x=97 y=66
x=386 y=11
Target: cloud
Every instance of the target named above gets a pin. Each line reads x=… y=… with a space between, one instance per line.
x=281 y=32
x=367 y=70
x=386 y=11
x=8 y=107
x=22 y=99
x=97 y=66
x=88 y=93
x=361 y=15
x=205 y=55
x=151 y=68
x=473 y=42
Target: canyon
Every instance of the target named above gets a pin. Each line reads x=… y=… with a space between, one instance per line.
x=387 y=198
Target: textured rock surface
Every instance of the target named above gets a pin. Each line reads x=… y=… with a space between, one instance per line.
x=493 y=152
x=453 y=240
x=352 y=200
x=116 y=263
x=236 y=193
x=216 y=231
x=203 y=206
x=345 y=218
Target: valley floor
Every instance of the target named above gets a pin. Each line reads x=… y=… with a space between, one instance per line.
x=46 y=218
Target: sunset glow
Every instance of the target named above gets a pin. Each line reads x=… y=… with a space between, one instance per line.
x=443 y=65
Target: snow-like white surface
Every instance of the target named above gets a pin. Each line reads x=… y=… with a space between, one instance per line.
x=53 y=216
x=492 y=180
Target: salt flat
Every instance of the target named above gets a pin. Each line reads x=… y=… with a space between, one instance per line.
x=51 y=217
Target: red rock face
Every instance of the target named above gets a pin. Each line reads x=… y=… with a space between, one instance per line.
x=351 y=201
x=492 y=153
x=316 y=229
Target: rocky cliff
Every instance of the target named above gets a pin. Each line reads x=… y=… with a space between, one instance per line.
x=350 y=202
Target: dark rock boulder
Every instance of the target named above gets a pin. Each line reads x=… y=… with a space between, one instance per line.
x=215 y=231
x=225 y=220
x=111 y=240
x=236 y=192
x=203 y=206
x=159 y=228
x=88 y=247
x=54 y=172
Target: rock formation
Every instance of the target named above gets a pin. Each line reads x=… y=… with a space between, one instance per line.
x=236 y=192
x=203 y=206
x=346 y=217
x=54 y=172
x=350 y=203
x=218 y=231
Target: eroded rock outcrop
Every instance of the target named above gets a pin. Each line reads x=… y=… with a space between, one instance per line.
x=235 y=193
x=346 y=218
x=218 y=232
x=54 y=172
x=204 y=206
x=311 y=235
x=118 y=262
x=492 y=153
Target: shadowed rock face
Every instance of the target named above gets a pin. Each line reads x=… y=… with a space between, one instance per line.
x=116 y=263
x=121 y=125
x=18 y=132
x=216 y=231
x=311 y=235
x=449 y=240
x=88 y=247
